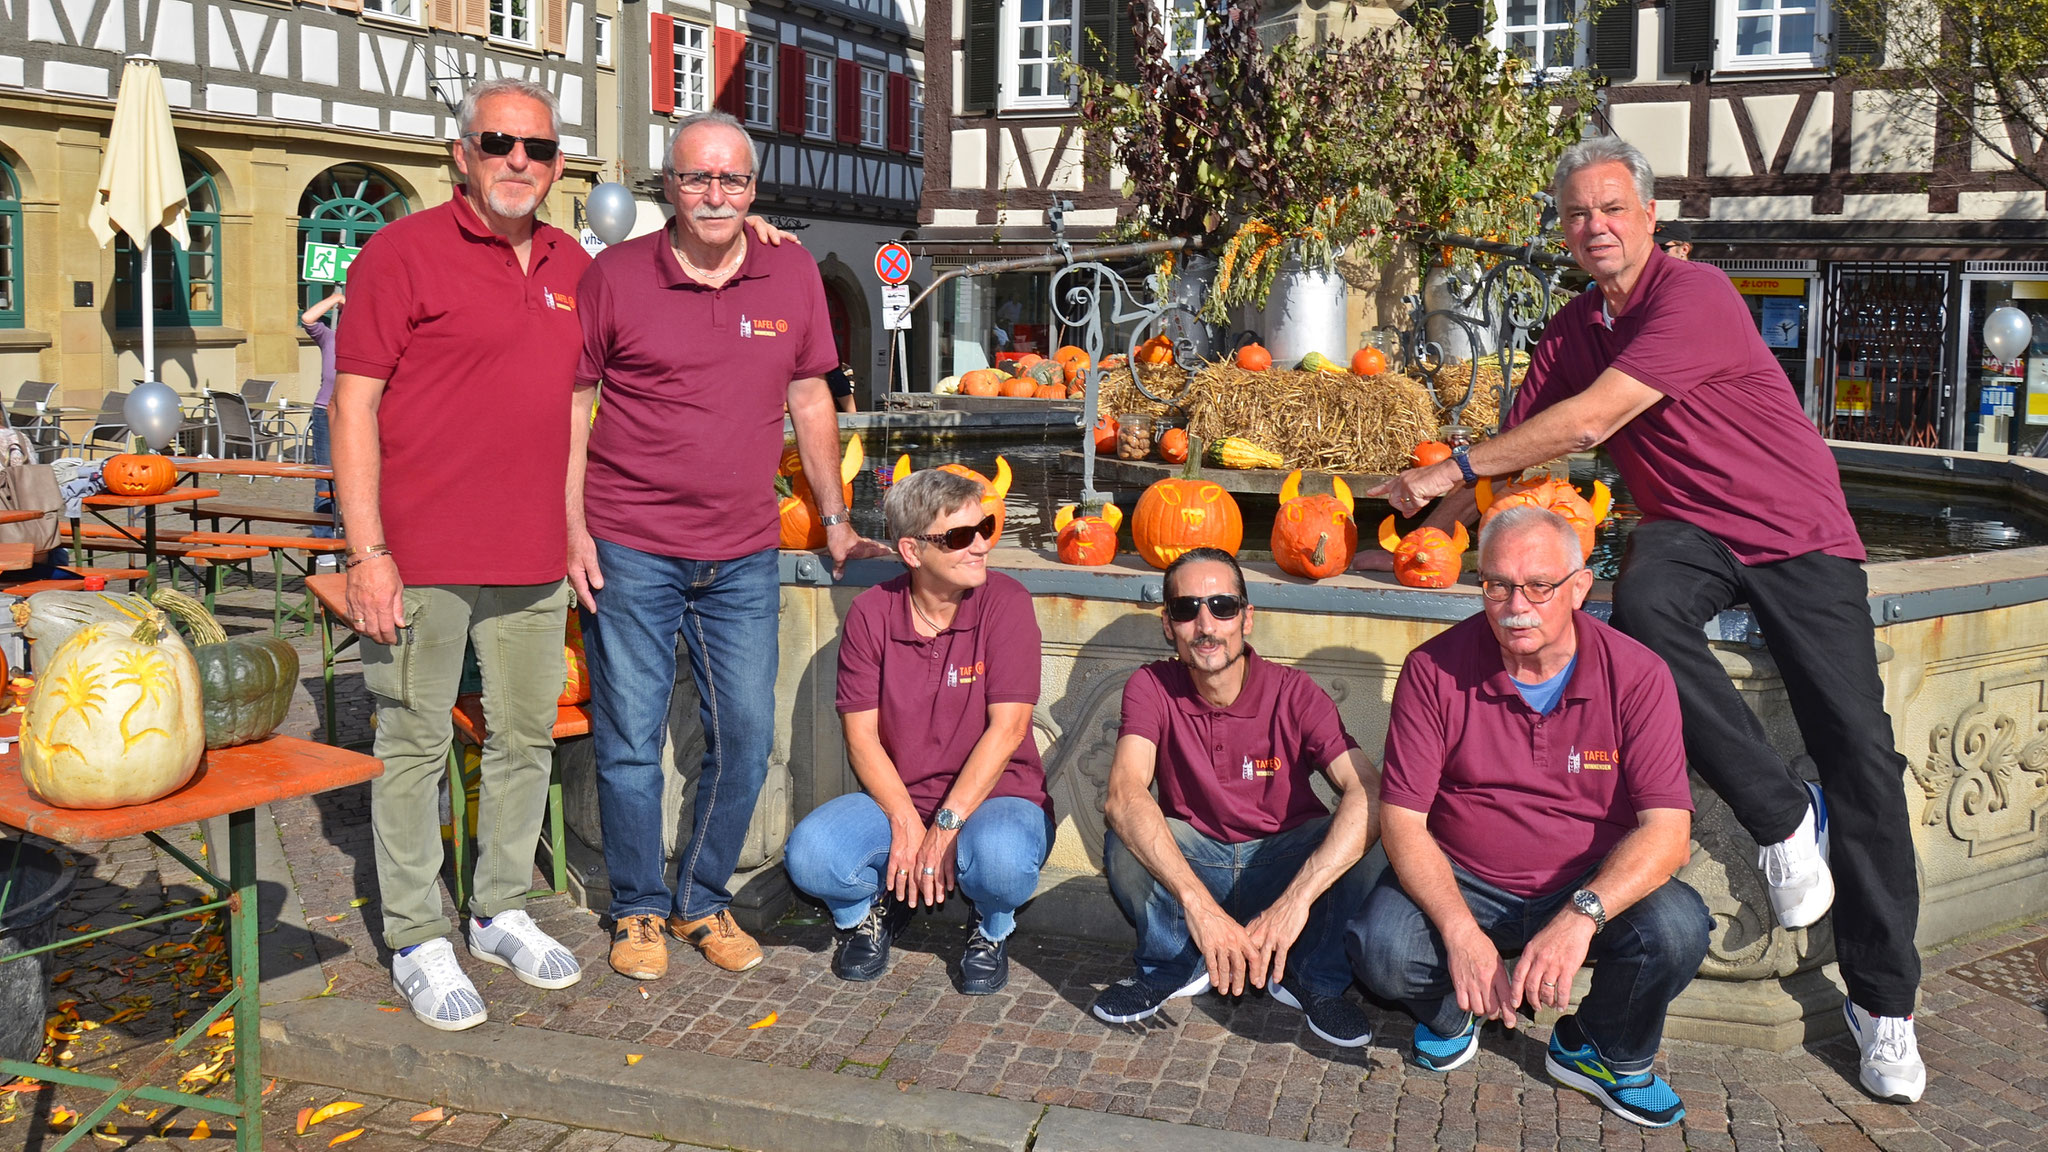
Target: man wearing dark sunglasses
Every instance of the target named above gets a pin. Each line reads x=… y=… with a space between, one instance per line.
x=1235 y=876
x=1535 y=798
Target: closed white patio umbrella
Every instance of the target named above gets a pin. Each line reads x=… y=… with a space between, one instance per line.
x=142 y=184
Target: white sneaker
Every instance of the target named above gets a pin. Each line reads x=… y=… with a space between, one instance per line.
x=1796 y=875
x=512 y=940
x=433 y=983
x=1892 y=1068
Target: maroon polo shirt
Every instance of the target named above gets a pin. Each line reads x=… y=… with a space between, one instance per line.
x=1526 y=801
x=1243 y=772
x=476 y=358
x=689 y=430
x=933 y=692
x=1728 y=449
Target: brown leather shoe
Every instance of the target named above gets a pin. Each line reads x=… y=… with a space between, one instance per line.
x=637 y=948
x=720 y=938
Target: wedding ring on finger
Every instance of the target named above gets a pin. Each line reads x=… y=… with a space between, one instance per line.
x=931 y=871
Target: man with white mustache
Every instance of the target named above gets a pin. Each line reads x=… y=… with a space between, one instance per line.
x=1235 y=876
x=1535 y=798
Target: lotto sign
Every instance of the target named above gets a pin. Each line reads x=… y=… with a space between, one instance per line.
x=892 y=263
x=327 y=263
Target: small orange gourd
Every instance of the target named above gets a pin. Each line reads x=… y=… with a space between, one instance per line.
x=1254 y=358
x=1426 y=557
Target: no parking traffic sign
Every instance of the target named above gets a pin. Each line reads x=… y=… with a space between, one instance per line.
x=892 y=263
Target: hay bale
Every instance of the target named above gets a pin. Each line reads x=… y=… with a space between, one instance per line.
x=1456 y=380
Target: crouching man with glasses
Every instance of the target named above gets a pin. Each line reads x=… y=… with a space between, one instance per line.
x=1535 y=799
x=938 y=672
x=1236 y=875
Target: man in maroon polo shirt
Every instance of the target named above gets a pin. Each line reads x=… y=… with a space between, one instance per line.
x=1741 y=502
x=701 y=338
x=1535 y=790
x=451 y=442
x=1236 y=862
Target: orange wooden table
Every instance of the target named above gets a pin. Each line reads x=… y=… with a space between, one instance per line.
x=148 y=504
x=231 y=782
x=280 y=469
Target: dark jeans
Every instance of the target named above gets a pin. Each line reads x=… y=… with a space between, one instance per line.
x=323 y=490
x=1245 y=879
x=1642 y=960
x=726 y=612
x=1816 y=618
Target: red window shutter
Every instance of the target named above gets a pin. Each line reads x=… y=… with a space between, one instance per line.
x=661 y=39
x=849 y=102
x=792 y=89
x=728 y=49
x=899 y=112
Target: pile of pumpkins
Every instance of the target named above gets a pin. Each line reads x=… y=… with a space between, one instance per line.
x=1029 y=377
x=1366 y=361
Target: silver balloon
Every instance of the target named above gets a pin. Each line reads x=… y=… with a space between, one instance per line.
x=610 y=211
x=153 y=413
x=2007 y=332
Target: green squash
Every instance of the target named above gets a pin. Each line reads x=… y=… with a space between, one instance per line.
x=245 y=684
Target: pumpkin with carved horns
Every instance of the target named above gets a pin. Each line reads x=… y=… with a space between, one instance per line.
x=1551 y=495
x=798 y=524
x=1314 y=536
x=992 y=491
x=1087 y=540
x=1426 y=557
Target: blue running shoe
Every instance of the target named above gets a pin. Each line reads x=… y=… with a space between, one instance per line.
x=1639 y=1098
x=1443 y=1053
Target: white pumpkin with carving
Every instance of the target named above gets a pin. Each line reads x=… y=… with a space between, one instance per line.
x=116 y=717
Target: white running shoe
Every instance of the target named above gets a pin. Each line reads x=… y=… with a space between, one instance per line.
x=433 y=983
x=512 y=940
x=1796 y=875
x=1892 y=1069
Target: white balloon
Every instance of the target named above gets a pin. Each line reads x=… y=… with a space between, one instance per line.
x=153 y=413
x=2007 y=332
x=610 y=211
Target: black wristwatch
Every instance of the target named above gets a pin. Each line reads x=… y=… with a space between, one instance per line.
x=1463 y=456
x=1585 y=901
x=948 y=820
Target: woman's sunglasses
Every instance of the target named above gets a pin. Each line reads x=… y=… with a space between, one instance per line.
x=954 y=539
x=539 y=149
x=1223 y=606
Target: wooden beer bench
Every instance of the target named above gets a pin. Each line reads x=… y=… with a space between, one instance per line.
x=246 y=514
x=280 y=548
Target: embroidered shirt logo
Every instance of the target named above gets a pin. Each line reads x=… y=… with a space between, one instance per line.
x=1259 y=769
x=746 y=329
x=958 y=675
x=558 y=300
x=1591 y=760
x=768 y=327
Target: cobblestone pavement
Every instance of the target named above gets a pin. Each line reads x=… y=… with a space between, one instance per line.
x=1248 y=1066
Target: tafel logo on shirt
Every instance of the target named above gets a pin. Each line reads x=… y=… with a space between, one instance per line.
x=961 y=674
x=1259 y=769
x=559 y=300
x=752 y=328
x=1591 y=760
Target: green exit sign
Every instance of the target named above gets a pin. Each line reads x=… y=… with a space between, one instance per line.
x=327 y=263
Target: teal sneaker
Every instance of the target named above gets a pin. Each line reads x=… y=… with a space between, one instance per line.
x=1639 y=1098
x=1443 y=1053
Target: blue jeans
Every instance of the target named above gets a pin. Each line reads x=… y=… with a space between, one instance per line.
x=323 y=490
x=726 y=612
x=1642 y=960
x=838 y=852
x=1245 y=879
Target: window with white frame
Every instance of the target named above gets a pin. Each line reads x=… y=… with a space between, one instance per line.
x=757 y=87
x=917 y=117
x=1772 y=33
x=818 y=96
x=874 y=107
x=406 y=10
x=1187 y=34
x=601 y=40
x=693 y=68
x=1549 y=34
x=511 y=20
x=1037 y=34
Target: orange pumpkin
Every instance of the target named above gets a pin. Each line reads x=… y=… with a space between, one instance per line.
x=1254 y=358
x=1553 y=495
x=1105 y=436
x=1073 y=362
x=982 y=382
x=1157 y=350
x=992 y=491
x=1314 y=536
x=576 y=686
x=1185 y=512
x=1429 y=452
x=1049 y=392
x=797 y=514
x=1173 y=446
x=791 y=463
x=1017 y=387
x=133 y=475
x=1027 y=362
x=1087 y=540
x=1426 y=558
x=1368 y=362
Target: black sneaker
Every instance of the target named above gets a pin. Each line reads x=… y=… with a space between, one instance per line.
x=1334 y=1018
x=984 y=966
x=863 y=953
x=1131 y=999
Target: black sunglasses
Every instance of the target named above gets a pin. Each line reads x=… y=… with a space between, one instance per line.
x=954 y=539
x=1223 y=606
x=538 y=148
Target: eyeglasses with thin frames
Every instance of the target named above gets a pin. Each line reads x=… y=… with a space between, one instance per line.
x=539 y=149
x=1222 y=606
x=697 y=183
x=954 y=539
x=1538 y=591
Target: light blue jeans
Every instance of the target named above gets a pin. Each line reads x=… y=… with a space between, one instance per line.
x=839 y=851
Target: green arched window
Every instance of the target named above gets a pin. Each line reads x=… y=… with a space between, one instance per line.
x=187 y=280
x=10 y=248
x=344 y=206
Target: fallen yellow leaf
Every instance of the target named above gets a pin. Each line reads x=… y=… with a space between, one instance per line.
x=200 y=1131
x=633 y=1058
x=333 y=1110
x=61 y=977
x=270 y=1087
x=431 y=1116
x=345 y=1137
x=359 y=901
x=221 y=1027
x=305 y=1114
x=764 y=1021
x=337 y=918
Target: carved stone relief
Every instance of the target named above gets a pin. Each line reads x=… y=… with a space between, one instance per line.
x=1986 y=772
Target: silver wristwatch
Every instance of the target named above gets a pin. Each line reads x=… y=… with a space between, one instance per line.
x=948 y=820
x=1585 y=901
x=834 y=518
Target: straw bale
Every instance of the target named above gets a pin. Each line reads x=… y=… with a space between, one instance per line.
x=1484 y=411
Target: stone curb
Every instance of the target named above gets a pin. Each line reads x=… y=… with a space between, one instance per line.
x=682 y=1096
